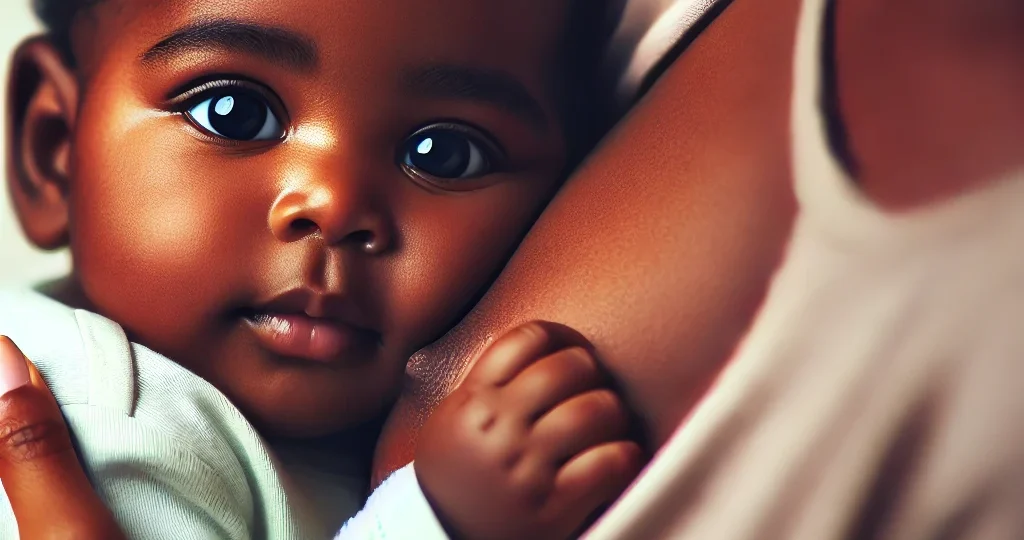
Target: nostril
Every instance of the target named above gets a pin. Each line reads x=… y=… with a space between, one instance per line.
x=304 y=226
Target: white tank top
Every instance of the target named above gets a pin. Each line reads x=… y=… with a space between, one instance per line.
x=880 y=391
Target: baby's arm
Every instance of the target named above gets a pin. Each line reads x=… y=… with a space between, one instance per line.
x=529 y=446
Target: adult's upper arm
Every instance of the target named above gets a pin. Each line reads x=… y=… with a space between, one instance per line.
x=660 y=247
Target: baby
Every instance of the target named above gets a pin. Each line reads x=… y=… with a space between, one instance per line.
x=289 y=198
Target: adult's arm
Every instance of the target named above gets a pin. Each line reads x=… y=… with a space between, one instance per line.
x=660 y=248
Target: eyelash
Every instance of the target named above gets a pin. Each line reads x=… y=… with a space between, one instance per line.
x=478 y=134
x=196 y=91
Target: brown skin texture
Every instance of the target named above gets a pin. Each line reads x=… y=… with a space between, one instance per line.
x=179 y=234
x=704 y=157
x=660 y=248
x=535 y=433
x=932 y=91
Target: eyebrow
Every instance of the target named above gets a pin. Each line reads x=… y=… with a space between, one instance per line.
x=488 y=86
x=278 y=45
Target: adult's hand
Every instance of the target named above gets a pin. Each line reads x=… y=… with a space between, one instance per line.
x=48 y=489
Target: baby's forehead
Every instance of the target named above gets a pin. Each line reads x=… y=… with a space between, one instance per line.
x=494 y=53
x=519 y=35
x=448 y=18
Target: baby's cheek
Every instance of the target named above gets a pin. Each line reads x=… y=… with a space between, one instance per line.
x=449 y=263
x=147 y=249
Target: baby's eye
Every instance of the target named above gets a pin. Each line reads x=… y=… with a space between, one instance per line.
x=447 y=152
x=237 y=114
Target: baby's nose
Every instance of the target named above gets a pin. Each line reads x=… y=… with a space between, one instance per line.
x=335 y=214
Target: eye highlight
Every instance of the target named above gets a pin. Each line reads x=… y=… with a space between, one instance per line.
x=232 y=110
x=446 y=153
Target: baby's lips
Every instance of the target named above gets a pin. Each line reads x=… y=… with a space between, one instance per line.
x=308 y=338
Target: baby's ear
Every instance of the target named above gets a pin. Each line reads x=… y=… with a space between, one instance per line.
x=42 y=101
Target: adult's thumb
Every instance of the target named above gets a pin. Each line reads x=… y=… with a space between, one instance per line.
x=48 y=489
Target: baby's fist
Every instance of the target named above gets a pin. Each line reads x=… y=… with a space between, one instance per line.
x=531 y=444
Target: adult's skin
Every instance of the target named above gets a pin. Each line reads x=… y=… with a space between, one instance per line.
x=658 y=250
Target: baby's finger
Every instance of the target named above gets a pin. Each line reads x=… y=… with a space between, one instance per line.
x=47 y=487
x=594 y=479
x=520 y=347
x=585 y=421
x=552 y=380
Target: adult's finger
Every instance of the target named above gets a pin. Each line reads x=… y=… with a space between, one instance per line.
x=48 y=489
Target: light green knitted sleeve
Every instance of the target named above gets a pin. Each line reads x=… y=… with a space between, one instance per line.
x=169 y=454
x=158 y=488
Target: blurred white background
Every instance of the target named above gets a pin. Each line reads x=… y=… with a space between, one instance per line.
x=20 y=264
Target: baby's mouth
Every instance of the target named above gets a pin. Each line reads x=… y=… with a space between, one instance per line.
x=300 y=325
x=304 y=337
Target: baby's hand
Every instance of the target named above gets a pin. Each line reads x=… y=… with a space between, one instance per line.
x=531 y=444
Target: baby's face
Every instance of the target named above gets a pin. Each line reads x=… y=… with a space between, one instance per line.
x=291 y=197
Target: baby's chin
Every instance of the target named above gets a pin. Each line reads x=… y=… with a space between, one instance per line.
x=297 y=422
x=283 y=397
x=294 y=409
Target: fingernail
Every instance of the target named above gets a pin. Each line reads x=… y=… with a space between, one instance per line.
x=13 y=369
